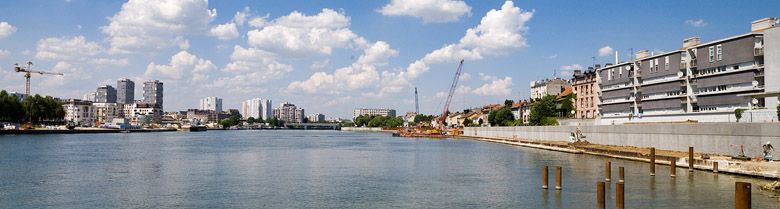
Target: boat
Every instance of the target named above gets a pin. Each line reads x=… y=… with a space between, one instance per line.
x=197 y=128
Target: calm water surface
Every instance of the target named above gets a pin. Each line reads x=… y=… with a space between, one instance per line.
x=324 y=169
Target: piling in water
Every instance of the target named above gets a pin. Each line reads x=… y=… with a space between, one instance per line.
x=652 y=161
x=742 y=199
x=619 y=196
x=544 y=177
x=558 y=179
x=608 y=171
x=600 y=201
x=673 y=167
x=715 y=167
x=621 y=175
x=690 y=159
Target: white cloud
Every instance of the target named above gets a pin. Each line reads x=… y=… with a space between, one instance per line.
x=153 y=24
x=436 y=11
x=76 y=50
x=696 y=23
x=240 y=17
x=571 y=67
x=486 y=77
x=465 y=77
x=258 y=22
x=320 y=64
x=360 y=75
x=498 y=87
x=499 y=32
x=6 y=29
x=605 y=51
x=298 y=34
x=248 y=60
x=225 y=31
x=182 y=65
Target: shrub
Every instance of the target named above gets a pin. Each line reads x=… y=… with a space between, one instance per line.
x=550 y=121
x=738 y=114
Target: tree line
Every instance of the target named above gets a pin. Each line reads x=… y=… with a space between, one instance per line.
x=378 y=121
x=36 y=109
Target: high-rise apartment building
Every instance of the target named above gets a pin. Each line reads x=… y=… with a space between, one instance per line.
x=153 y=93
x=252 y=108
x=105 y=94
x=705 y=82
x=211 y=103
x=289 y=113
x=125 y=89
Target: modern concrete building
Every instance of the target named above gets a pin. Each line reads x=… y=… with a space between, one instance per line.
x=79 y=112
x=211 y=103
x=105 y=94
x=587 y=101
x=546 y=87
x=373 y=111
x=106 y=112
x=257 y=108
x=153 y=93
x=289 y=113
x=316 y=118
x=90 y=96
x=705 y=82
x=125 y=90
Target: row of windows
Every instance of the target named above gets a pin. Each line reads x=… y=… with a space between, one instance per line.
x=654 y=64
x=713 y=89
x=717 y=70
x=716 y=53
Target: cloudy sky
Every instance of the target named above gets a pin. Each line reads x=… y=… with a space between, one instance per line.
x=333 y=56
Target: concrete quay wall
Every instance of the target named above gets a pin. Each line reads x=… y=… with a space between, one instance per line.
x=714 y=138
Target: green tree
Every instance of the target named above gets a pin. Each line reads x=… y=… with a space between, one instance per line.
x=11 y=109
x=468 y=122
x=422 y=117
x=567 y=105
x=362 y=120
x=738 y=113
x=508 y=103
x=501 y=117
x=778 y=112
x=376 y=121
x=394 y=122
x=542 y=108
x=43 y=109
x=250 y=120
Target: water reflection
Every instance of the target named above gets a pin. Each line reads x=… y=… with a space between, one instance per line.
x=325 y=169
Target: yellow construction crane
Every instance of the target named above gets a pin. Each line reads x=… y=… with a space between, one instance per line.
x=28 y=72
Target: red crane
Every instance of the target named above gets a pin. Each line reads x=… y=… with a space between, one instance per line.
x=453 y=85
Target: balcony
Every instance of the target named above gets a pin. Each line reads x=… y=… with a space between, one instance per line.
x=758 y=52
x=683 y=65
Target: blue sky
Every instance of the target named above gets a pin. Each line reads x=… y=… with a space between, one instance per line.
x=333 y=56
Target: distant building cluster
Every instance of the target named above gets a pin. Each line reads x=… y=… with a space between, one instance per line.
x=289 y=113
x=116 y=107
x=372 y=112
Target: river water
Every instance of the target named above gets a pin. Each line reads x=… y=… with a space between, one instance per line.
x=325 y=169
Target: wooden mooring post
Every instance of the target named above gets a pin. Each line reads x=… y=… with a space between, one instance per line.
x=544 y=177
x=715 y=167
x=742 y=198
x=600 y=197
x=673 y=168
x=620 y=196
x=621 y=174
x=652 y=161
x=558 y=178
x=608 y=171
x=690 y=159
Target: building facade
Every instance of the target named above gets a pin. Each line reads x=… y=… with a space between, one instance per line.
x=211 y=103
x=125 y=90
x=704 y=82
x=153 y=93
x=106 y=112
x=546 y=87
x=289 y=113
x=105 y=94
x=316 y=118
x=79 y=112
x=257 y=108
x=587 y=100
x=373 y=111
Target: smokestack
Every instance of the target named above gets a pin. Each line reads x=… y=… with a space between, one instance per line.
x=616 y=57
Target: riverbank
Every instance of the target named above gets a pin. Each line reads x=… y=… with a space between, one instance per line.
x=366 y=129
x=758 y=169
x=80 y=131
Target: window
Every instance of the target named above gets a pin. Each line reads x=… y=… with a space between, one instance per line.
x=651 y=66
x=666 y=63
x=656 y=64
x=712 y=53
x=620 y=72
x=719 y=51
x=611 y=72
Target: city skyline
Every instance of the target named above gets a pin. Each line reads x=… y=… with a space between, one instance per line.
x=375 y=54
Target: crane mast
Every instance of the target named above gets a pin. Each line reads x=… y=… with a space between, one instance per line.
x=28 y=73
x=453 y=85
x=416 y=102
